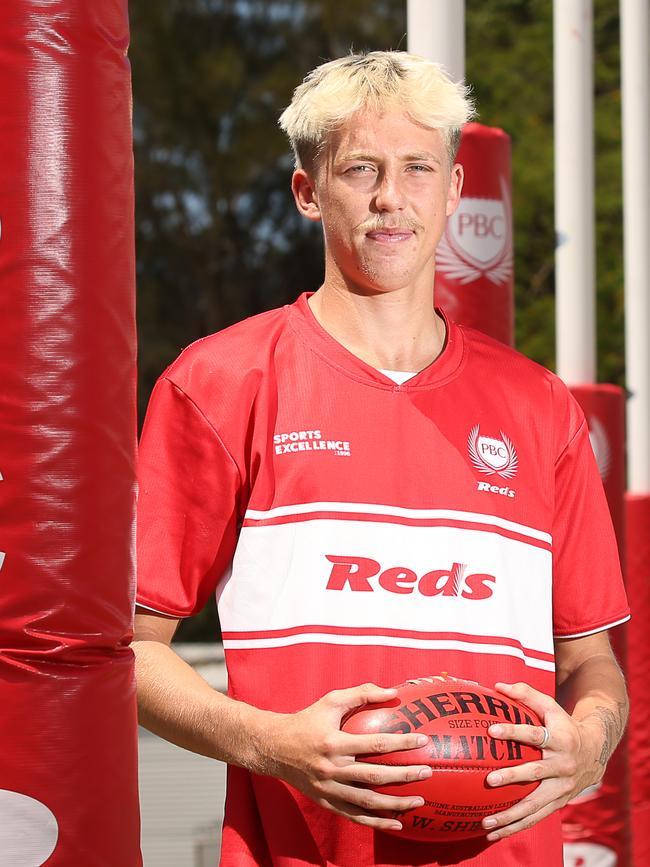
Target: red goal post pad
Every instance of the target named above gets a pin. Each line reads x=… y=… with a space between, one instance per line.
x=596 y=824
x=68 y=728
x=474 y=260
x=637 y=553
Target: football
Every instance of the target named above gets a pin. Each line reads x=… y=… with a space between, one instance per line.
x=455 y=714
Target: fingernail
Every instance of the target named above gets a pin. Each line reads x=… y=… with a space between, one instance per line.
x=425 y=773
x=422 y=740
x=495 y=779
x=497 y=730
x=417 y=802
x=489 y=823
x=396 y=826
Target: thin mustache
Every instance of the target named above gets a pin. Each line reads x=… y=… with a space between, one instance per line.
x=379 y=225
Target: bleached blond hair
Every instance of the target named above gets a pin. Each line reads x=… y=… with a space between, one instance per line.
x=379 y=81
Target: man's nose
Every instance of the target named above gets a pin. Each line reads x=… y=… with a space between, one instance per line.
x=389 y=195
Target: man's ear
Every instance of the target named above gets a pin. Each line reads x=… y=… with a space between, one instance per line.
x=457 y=176
x=304 y=194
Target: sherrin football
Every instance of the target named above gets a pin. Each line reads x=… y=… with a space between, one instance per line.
x=455 y=714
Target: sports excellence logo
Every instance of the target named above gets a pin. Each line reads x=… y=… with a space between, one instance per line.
x=492 y=456
x=309 y=441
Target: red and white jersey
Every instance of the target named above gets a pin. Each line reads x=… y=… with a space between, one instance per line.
x=358 y=530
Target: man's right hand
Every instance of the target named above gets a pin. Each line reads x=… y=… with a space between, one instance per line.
x=308 y=750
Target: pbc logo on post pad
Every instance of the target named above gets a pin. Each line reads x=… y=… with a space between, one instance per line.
x=491 y=456
x=478 y=240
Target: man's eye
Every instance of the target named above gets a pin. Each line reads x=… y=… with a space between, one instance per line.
x=359 y=170
x=419 y=168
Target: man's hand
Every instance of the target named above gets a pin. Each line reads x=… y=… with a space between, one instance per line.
x=308 y=750
x=573 y=759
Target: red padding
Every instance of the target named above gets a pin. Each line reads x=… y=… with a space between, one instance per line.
x=474 y=259
x=637 y=513
x=68 y=775
x=596 y=826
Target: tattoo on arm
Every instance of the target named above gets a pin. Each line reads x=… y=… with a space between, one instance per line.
x=612 y=724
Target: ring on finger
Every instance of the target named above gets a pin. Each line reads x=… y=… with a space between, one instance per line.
x=547 y=737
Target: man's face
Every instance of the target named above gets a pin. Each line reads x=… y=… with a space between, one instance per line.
x=383 y=190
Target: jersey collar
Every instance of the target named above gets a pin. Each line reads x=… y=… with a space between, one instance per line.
x=446 y=366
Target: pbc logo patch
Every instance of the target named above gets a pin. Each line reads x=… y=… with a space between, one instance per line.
x=490 y=455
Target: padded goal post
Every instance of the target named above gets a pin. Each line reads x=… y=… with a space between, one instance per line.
x=637 y=551
x=596 y=825
x=474 y=259
x=68 y=728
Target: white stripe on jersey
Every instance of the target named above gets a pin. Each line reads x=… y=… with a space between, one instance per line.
x=398 y=511
x=388 y=641
x=155 y=610
x=282 y=581
x=598 y=629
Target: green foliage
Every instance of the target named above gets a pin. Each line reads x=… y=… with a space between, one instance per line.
x=510 y=65
x=218 y=236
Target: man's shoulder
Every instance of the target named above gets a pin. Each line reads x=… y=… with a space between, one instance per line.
x=510 y=364
x=525 y=383
x=231 y=354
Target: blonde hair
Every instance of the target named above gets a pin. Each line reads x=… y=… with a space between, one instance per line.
x=379 y=80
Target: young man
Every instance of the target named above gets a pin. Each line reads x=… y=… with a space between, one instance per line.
x=316 y=467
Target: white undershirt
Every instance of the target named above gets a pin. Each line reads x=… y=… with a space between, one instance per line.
x=398 y=376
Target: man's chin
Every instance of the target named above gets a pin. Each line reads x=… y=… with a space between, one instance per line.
x=377 y=289
x=382 y=281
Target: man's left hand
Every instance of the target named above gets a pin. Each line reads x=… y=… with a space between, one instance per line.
x=569 y=764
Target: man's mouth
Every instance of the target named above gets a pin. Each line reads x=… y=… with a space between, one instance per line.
x=389 y=236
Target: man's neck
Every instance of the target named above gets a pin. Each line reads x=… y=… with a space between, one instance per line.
x=396 y=330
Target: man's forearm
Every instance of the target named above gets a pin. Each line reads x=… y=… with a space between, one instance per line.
x=595 y=696
x=176 y=703
x=306 y=749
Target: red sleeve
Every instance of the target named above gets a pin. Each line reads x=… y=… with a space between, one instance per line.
x=588 y=593
x=187 y=505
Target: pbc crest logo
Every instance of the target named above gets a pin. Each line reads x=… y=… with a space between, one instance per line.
x=490 y=455
x=478 y=240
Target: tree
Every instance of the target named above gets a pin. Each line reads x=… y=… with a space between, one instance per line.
x=510 y=65
x=218 y=237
